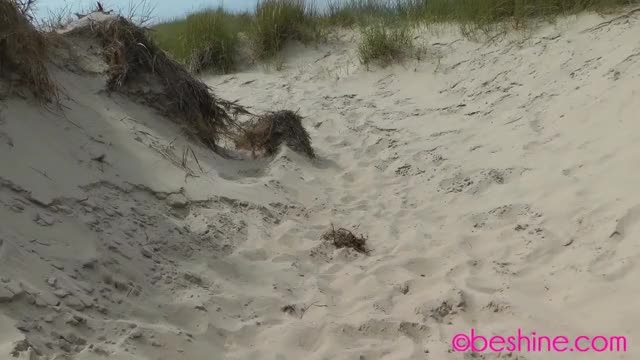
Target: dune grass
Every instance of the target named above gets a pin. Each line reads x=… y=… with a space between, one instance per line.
x=209 y=39
x=203 y=40
x=353 y=12
x=349 y=12
x=279 y=21
x=384 y=43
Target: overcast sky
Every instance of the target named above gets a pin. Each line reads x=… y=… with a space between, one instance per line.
x=165 y=9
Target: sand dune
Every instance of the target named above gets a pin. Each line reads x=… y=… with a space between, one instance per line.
x=495 y=182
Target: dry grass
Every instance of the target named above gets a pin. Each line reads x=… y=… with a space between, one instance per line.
x=266 y=133
x=343 y=238
x=23 y=53
x=132 y=56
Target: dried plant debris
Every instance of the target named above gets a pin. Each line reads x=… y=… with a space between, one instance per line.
x=343 y=238
x=266 y=133
x=290 y=309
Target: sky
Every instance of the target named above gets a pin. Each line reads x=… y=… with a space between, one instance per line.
x=164 y=9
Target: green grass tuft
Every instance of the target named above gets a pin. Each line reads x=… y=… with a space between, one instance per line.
x=206 y=40
x=384 y=43
x=279 y=21
x=213 y=41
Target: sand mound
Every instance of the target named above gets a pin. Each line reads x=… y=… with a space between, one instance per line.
x=139 y=69
x=132 y=57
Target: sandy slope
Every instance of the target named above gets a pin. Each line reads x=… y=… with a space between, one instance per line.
x=497 y=184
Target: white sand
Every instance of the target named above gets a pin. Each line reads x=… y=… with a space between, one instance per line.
x=498 y=185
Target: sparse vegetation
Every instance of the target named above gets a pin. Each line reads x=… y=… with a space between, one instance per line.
x=211 y=39
x=57 y=18
x=25 y=7
x=384 y=43
x=139 y=12
x=386 y=25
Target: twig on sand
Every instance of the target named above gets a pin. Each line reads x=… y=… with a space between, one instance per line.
x=65 y=116
x=195 y=158
x=41 y=173
x=309 y=306
x=323 y=57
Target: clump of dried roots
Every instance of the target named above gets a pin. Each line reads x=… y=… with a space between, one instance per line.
x=23 y=53
x=266 y=133
x=130 y=55
x=343 y=238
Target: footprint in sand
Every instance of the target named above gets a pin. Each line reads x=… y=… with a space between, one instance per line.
x=385 y=329
x=623 y=66
x=479 y=181
x=618 y=256
x=444 y=309
x=611 y=267
x=626 y=224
